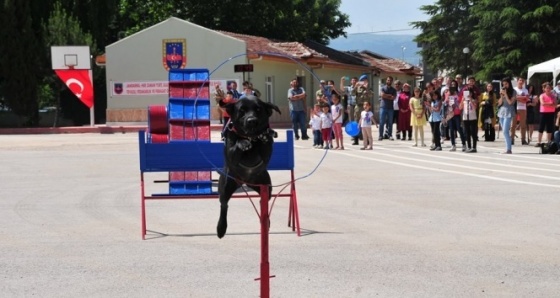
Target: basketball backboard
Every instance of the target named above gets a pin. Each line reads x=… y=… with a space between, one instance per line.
x=70 y=57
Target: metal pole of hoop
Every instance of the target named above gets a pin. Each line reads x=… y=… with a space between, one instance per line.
x=265 y=222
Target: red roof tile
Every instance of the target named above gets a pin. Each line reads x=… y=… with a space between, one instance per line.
x=390 y=65
x=262 y=45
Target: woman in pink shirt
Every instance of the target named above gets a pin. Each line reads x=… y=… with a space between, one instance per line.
x=403 y=123
x=547 y=107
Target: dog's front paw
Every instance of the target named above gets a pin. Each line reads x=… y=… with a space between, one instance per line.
x=244 y=145
x=221 y=228
x=264 y=138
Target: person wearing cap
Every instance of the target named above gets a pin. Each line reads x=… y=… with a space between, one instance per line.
x=386 y=111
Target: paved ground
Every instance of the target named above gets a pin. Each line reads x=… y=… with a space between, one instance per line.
x=396 y=221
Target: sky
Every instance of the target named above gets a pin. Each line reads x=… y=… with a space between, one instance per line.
x=384 y=15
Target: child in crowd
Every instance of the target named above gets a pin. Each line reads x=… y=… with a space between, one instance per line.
x=417 y=118
x=366 y=118
x=315 y=122
x=337 y=113
x=435 y=121
x=326 y=126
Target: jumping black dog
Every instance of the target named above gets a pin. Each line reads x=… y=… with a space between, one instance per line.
x=247 y=151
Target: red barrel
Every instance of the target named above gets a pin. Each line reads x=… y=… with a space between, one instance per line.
x=157 y=120
x=156 y=138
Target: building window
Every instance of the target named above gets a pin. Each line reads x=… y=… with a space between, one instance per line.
x=269 y=82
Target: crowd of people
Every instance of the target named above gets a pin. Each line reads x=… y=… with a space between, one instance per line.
x=454 y=110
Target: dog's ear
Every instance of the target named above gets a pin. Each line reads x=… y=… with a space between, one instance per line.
x=229 y=107
x=270 y=107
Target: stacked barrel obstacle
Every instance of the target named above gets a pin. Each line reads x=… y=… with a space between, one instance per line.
x=187 y=119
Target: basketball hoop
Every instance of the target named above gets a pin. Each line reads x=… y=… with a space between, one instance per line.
x=70 y=57
x=70 y=60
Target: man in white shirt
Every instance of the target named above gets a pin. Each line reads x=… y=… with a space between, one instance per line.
x=522 y=98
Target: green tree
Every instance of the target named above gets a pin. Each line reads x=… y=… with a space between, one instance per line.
x=512 y=35
x=95 y=17
x=504 y=36
x=446 y=34
x=135 y=15
x=20 y=55
x=294 y=20
x=61 y=29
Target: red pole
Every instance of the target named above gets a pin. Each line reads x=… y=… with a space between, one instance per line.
x=265 y=266
x=143 y=206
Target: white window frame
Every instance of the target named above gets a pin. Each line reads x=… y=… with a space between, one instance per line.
x=269 y=88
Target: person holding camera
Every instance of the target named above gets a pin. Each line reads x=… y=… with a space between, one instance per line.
x=362 y=94
x=468 y=108
x=453 y=116
x=522 y=100
x=347 y=90
x=506 y=112
x=320 y=94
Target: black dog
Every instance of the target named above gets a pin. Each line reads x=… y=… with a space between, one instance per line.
x=247 y=151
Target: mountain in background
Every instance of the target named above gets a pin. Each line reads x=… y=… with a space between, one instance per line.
x=384 y=44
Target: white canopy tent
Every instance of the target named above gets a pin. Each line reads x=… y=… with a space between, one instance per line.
x=550 y=66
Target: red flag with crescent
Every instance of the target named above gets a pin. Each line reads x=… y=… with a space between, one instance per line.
x=79 y=82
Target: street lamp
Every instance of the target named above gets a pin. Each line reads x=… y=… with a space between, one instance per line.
x=466 y=51
x=403 y=48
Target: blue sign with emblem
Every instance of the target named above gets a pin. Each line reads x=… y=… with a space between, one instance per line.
x=174 y=53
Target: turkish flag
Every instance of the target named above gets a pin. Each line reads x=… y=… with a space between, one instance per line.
x=79 y=82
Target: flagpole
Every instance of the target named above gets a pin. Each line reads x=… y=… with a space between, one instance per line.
x=92 y=109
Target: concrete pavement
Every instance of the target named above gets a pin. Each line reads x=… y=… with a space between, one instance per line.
x=396 y=221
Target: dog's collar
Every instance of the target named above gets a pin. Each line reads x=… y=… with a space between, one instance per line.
x=263 y=136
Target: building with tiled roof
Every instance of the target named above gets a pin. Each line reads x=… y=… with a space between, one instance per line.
x=140 y=60
x=390 y=66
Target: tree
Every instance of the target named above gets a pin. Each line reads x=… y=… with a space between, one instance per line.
x=446 y=34
x=293 y=20
x=135 y=15
x=504 y=36
x=512 y=35
x=62 y=29
x=20 y=55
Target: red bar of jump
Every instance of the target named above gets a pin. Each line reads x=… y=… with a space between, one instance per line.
x=265 y=266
